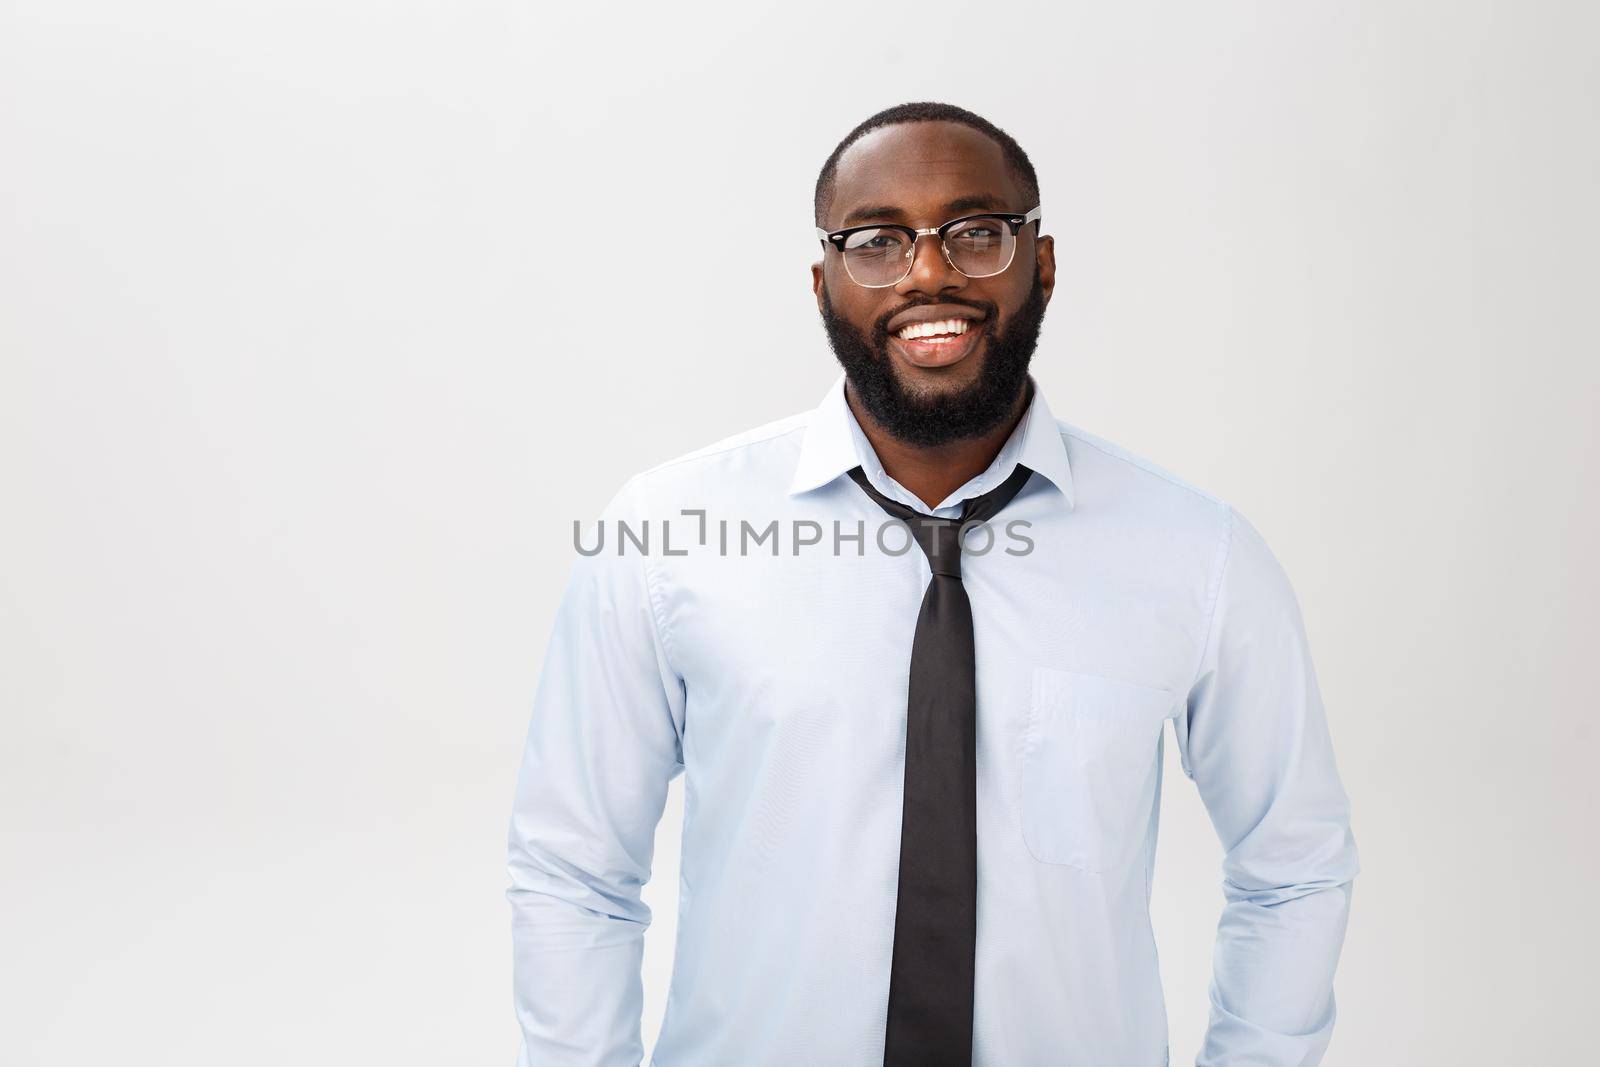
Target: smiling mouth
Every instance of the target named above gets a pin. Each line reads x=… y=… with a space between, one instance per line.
x=937 y=344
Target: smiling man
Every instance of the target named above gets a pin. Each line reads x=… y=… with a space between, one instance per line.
x=922 y=774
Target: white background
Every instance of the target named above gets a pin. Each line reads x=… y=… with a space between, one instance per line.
x=304 y=380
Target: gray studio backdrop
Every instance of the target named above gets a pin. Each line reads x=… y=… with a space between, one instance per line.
x=298 y=404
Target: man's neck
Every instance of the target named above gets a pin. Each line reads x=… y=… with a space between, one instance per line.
x=932 y=473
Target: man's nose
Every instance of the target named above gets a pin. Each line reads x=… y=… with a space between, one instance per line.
x=931 y=273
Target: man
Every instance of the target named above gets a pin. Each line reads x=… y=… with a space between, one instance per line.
x=922 y=773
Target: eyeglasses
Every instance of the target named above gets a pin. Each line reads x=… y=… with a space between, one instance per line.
x=880 y=255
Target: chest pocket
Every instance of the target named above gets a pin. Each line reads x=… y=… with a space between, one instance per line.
x=1089 y=763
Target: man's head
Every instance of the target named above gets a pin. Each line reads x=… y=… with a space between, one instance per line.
x=922 y=165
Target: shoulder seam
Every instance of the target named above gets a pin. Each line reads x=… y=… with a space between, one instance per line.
x=1214 y=593
x=663 y=636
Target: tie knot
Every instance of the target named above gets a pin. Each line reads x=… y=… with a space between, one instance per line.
x=940 y=540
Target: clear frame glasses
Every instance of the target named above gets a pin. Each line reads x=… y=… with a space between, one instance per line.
x=880 y=254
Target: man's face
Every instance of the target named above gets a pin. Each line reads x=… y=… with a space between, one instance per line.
x=924 y=174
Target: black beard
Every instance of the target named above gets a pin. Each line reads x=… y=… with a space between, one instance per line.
x=929 y=421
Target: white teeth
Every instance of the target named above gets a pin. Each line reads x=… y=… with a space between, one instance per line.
x=929 y=329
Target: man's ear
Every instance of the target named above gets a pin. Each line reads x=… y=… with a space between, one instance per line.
x=816 y=283
x=1045 y=254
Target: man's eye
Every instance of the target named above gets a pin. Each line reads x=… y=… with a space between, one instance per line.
x=879 y=243
x=978 y=232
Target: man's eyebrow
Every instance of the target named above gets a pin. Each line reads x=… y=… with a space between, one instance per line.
x=963 y=205
x=871 y=214
x=967 y=204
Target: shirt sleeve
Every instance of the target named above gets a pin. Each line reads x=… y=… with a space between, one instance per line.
x=1254 y=738
x=604 y=741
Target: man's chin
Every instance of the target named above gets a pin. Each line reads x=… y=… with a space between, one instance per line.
x=920 y=383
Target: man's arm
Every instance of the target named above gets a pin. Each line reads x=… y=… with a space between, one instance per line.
x=1255 y=740
x=603 y=743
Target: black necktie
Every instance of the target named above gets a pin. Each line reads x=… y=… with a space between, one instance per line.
x=936 y=916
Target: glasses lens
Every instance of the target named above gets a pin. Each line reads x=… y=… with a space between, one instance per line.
x=980 y=247
x=876 y=257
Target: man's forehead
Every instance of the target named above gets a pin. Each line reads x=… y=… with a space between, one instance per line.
x=921 y=166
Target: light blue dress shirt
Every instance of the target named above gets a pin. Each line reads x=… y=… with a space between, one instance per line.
x=772 y=674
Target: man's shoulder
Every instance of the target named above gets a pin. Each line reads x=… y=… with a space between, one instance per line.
x=1120 y=483
x=737 y=464
x=1096 y=456
x=771 y=436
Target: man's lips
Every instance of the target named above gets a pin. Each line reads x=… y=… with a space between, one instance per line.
x=938 y=351
x=926 y=313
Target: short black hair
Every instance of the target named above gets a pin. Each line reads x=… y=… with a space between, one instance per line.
x=927 y=111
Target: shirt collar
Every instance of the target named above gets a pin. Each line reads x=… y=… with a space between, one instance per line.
x=834 y=442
